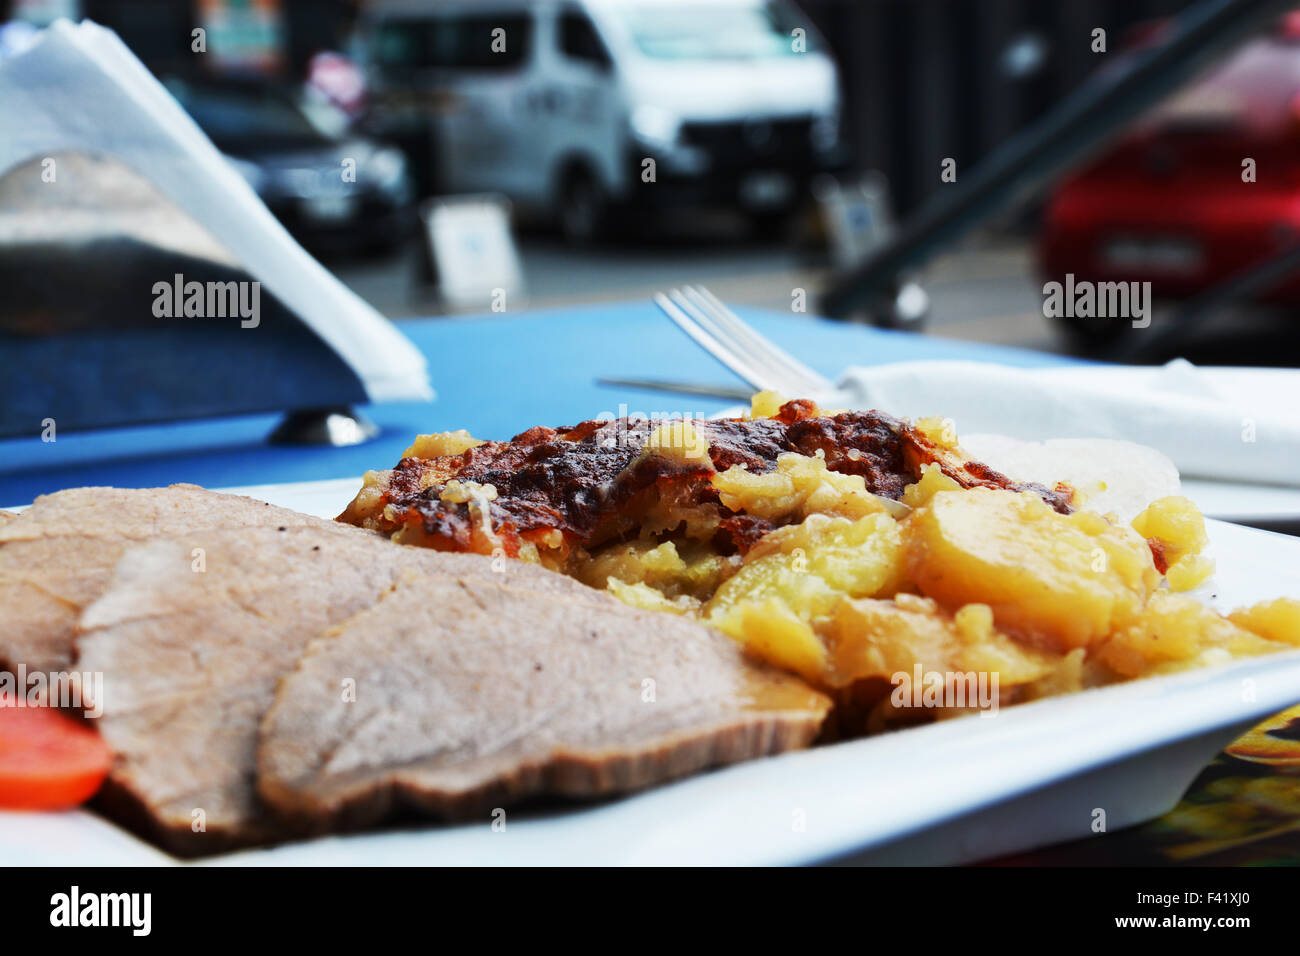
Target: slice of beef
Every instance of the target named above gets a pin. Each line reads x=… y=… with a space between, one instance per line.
x=191 y=636
x=454 y=696
x=56 y=557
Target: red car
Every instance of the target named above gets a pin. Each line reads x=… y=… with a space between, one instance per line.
x=1172 y=203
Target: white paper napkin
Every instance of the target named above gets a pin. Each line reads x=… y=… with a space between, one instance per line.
x=1225 y=424
x=79 y=88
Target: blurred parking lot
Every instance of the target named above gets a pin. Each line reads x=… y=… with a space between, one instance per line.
x=987 y=291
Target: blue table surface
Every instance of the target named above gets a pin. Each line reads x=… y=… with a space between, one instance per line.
x=495 y=376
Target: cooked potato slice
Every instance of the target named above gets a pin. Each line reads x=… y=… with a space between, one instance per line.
x=774 y=633
x=875 y=638
x=811 y=566
x=1061 y=581
x=793 y=580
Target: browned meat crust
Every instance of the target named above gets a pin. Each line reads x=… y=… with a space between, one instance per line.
x=590 y=482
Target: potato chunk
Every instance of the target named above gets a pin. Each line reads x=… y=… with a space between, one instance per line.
x=874 y=638
x=766 y=404
x=1189 y=571
x=774 y=633
x=1176 y=526
x=441 y=443
x=1176 y=523
x=1061 y=581
x=800 y=485
x=1175 y=632
x=1277 y=620
x=811 y=566
x=793 y=580
x=932 y=480
x=651 y=599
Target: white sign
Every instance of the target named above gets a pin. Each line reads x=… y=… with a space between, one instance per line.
x=857 y=217
x=473 y=251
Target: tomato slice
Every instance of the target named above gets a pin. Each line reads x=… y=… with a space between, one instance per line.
x=48 y=761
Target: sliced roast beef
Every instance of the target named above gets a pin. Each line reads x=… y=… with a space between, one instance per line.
x=191 y=636
x=452 y=696
x=56 y=557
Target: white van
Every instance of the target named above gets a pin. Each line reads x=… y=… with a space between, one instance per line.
x=594 y=110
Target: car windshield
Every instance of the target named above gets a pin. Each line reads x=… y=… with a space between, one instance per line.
x=715 y=31
x=238 y=115
x=454 y=42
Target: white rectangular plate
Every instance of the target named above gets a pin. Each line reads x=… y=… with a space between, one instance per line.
x=951 y=792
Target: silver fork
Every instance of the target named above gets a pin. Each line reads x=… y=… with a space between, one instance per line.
x=753 y=356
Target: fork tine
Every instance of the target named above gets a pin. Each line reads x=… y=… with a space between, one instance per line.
x=785 y=375
x=814 y=380
x=727 y=337
x=723 y=353
x=770 y=374
x=698 y=308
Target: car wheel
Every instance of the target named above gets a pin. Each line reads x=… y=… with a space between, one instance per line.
x=583 y=211
x=907 y=311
